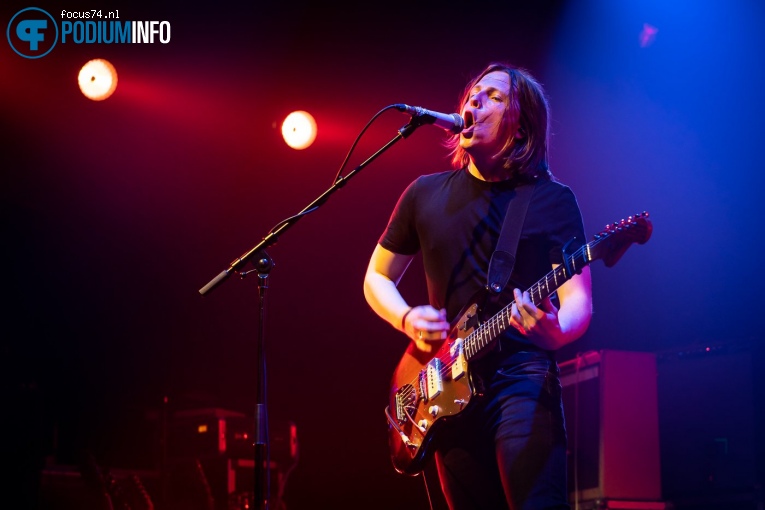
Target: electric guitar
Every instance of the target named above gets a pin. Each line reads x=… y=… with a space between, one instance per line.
x=427 y=391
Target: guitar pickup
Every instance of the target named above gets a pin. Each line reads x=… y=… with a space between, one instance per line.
x=459 y=365
x=435 y=383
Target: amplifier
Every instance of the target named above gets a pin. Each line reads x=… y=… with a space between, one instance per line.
x=215 y=432
x=610 y=405
x=620 y=504
x=211 y=458
x=201 y=433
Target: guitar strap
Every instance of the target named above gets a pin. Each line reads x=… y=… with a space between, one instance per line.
x=503 y=258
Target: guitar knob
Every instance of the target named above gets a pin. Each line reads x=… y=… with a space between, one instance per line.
x=434 y=410
x=422 y=425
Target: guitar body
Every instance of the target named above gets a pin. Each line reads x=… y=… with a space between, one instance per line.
x=427 y=390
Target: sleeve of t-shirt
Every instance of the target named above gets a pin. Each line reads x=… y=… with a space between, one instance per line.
x=568 y=218
x=400 y=236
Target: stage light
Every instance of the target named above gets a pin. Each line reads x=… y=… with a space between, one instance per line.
x=97 y=79
x=299 y=130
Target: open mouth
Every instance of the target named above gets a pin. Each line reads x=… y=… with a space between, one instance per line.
x=467 y=130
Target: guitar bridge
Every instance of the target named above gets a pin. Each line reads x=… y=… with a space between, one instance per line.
x=406 y=402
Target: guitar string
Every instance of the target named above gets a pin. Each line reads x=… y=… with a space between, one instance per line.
x=480 y=334
x=470 y=341
x=485 y=333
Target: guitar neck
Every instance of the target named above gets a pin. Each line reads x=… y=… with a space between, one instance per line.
x=483 y=336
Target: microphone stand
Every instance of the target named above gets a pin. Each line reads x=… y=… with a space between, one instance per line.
x=263 y=265
x=262 y=454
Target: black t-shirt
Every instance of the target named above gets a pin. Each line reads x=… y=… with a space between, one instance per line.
x=455 y=220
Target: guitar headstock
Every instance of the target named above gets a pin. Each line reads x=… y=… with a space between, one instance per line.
x=611 y=243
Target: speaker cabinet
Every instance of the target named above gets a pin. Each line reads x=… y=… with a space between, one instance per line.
x=610 y=405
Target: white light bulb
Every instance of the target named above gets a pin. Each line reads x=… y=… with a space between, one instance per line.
x=299 y=130
x=97 y=79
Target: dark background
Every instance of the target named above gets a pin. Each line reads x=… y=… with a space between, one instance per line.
x=116 y=213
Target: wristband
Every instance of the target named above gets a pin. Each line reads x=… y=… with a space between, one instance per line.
x=403 y=319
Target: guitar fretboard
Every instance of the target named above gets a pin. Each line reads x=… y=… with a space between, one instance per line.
x=490 y=330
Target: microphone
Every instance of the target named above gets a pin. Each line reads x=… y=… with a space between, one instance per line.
x=451 y=122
